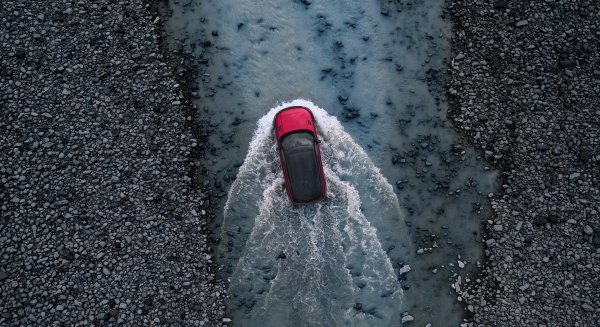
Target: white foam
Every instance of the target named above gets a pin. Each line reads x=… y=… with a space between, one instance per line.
x=334 y=258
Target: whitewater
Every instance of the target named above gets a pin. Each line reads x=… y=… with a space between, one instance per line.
x=313 y=264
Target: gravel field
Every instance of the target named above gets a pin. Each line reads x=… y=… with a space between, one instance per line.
x=99 y=223
x=525 y=87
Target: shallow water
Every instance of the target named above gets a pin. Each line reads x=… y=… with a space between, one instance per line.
x=399 y=181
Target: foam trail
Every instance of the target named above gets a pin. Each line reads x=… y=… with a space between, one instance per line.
x=322 y=264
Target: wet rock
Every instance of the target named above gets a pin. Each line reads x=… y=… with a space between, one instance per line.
x=404 y=269
x=406 y=318
x=351 y=113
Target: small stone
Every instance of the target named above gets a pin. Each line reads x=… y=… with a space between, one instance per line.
x=20 y=53
x=567 y=63
x=3 y=275
x=500 y=4
x=404 y=269
x=587 y=307
x=584 y=156
x=521 y=23
x=519 y=226
x=553 y=218
x=588 y=230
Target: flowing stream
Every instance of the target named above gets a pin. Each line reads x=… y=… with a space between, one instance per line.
x=403 y=189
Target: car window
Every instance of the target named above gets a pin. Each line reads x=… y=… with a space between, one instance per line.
x=297 y=139
x=302 y=167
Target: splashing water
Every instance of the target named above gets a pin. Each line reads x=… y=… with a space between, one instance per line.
x=315 y=264
x=378 y=66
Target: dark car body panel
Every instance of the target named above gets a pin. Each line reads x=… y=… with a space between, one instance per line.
x=300 y=155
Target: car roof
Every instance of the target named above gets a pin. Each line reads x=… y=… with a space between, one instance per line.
x=302 y=166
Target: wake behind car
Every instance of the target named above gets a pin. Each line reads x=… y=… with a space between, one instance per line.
x=300 y=155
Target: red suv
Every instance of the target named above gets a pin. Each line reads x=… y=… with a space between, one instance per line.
x=298 y=147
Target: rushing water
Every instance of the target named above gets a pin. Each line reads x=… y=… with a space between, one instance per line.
x=402 y=189
x=329 y=263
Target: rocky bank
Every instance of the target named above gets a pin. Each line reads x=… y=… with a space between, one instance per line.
x=525 y=88
x=99 y=223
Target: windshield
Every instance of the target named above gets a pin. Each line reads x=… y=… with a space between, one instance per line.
x=302 y=166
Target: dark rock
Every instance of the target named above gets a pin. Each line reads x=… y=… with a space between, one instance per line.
x=553 y=218
x=351 y=113
x=58 y=16
x=20 y=53
x=540 y=221
x=584 y=155
x=148 y=301
x=500 y=4
x=568 y=63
